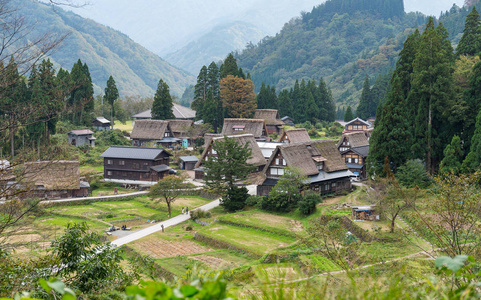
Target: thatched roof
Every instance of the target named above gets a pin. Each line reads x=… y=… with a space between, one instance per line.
x=53 y=175
x=180 y=127
x=256 y=127
x=208 y=137
x=355 y=139
x=296 y=135
x=304 y=156
x=149 y=129
x=179 y=111
x=271 y=116
x=257 y=158
x=360 y=120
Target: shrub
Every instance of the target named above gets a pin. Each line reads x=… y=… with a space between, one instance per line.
x=278 y=203
x=253 y=200
x=199 y=214
x=188 y=228
x=313 y=133
x=307 y=205
x=412 y=174
x=235 y=199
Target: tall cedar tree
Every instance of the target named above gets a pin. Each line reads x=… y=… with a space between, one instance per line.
x=365 y=104
x=327 y=109
x=81 y=103
x=285 y=104
x=472 y=161
x=263 y=97
x=348 y=116
x=111 y=95
x=238 y=97
x=162 y=106
x=470 y=43
x=390 y=138
x=216 y=107
x=229 y=165
x=453 y=156
x=432 y=85
x=229 y=67
x=200 y=93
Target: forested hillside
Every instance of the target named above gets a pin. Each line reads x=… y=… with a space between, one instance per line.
x=107 y=52
x=340 y=40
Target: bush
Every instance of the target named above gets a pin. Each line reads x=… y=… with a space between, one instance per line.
x=253 y=200
x=307 y=205
x=188 y=228
x=412 y=174
x=278 y=203
x=111 y=138
x=235 y=199
x=199 y=214
x=313 y=133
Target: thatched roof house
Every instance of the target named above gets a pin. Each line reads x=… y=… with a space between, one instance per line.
x=179 y=111
x=180 y=127
x=208 y=137
x=272 y=119
x=352 y=140
x=296 y=135
x=256 y=127
x=53 y=175
x=150 y=130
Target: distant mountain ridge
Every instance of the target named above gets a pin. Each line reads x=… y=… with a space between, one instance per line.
x=105 y=50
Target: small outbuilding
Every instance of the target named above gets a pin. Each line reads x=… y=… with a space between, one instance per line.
x=188 y=162
x=365 y=213
x=81 y=137
x=101 y=123
x=288 y=120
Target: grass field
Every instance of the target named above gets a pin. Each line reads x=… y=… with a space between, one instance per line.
x=127 y=126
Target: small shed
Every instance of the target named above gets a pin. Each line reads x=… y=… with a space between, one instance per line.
x=288 y=120
x=188 y=162
x=101 y=123
x=365 y=213
x=81 y=137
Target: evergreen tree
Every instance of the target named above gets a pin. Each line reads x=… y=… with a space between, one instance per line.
x=162 y=106
x=327 y=109
x=472 y=161
x=229 y=67
x=453 y=155
x=81 y=102
x=200 y=93
x=470 y=43
x=263 y=97
x=111 y=95
x=348 y=116
x=390 y=139
x=285 y=105
x=432 y=86
x=273 y=101
x=88 y=108
x=213 y=80
x=365 y=104
x=295 y=95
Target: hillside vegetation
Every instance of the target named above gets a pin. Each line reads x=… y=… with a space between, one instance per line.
x=107 y=52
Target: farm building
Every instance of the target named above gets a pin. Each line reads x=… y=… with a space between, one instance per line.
x=53 y=179
x=365 y=213
x=319 y=160
x=101 y=123
x=188 y=162
x=288 y=120
x=274 y=124
x=257 y=158
x=256 y=127
x=155 y=131
x=135 y=165
x=81 y=137
x=296 y=135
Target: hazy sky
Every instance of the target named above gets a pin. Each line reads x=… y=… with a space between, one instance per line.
x=430 y=7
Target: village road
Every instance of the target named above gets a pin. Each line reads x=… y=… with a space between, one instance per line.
x=158 y=227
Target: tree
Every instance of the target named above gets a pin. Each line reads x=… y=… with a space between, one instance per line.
x=290 y=184
x=200 y=93
x=348 y=116
x=228 y=166
x=80 y=102
x=235 y=199
x=413 y=174
x=238 y=97
x=365 y=104
x=162 y=106
x=169 y=189
x=453 y=155
x=470 y=42
x=473 y=160
x=229 y=67
x=111 y=95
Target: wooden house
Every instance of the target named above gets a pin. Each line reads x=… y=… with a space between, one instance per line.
x=53 y=180
x=355 y=159
x=257 y=158
x=274 y=124
x=135 y=165
x=356 y=125
x=101 y=123
x=179 y=130
x=256 y=127
x=81 y=137
x=319 y=161
x=288 y=120
x=188 y=162
x=296 y=135
x=351 y=140
x=156 y=131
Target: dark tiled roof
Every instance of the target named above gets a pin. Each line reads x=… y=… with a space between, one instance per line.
x=82 y=132
x=188 y=158
x=180 y=112
x=363 y=150
x=133 y=153
x=160 y=168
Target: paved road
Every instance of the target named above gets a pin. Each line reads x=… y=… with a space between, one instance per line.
x=158 y=227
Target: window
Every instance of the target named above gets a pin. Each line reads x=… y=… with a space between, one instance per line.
x=124 y=174
x=277 y=171
x=109 y=161
x=356 y=160
x=109 y=173
x=284 y=162
x=333 y=184
x=277 y=161
x=326 y=187
x=320 y=166
x=145 y=175
x=135 y=166
x=122 y=163
x=166 y=134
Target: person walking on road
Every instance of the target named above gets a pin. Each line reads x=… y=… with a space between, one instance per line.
x=162 y=226
x=186 y=210
x=182 y=210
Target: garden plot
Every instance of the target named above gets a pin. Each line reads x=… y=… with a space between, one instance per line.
x=214 y=262
x=265 y=220
x=160 y=248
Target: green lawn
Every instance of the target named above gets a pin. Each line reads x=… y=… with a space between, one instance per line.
x=127 y=126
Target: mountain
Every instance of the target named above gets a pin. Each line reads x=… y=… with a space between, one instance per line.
x=214 y=45
x=105 y=50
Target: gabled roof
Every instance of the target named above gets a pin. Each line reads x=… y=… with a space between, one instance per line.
x=180 y=126
x=102 y=120
x=179 y=111
x=188 y=158
x=134 y=153
x=362 y=150
x=208 y=137
x=271 y=116
x=285 y=118
x=296 y=135
x=149 y=129
x=300 y=156
x=53 y=175
x=252 y=126
x=81 y=132
x=360 y=120
x=355 y=139
x=257 y=158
